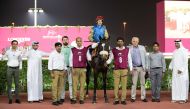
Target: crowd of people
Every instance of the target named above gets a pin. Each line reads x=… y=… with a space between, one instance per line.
x=67 y=63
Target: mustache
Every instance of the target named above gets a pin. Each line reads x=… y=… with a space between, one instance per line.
x=65 y=43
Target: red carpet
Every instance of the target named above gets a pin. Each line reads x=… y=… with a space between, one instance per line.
x=46 y=104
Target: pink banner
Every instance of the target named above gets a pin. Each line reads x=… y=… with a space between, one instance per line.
x=46 y=36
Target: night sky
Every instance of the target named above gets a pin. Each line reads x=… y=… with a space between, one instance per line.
x=140 y=15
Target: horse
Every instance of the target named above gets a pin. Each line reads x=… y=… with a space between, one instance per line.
x=98 y=64
x=88 y=73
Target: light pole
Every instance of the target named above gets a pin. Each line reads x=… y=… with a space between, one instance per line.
x=124 y=26
x=35 y=10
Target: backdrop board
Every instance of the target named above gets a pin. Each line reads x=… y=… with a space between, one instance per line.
x=45 y=35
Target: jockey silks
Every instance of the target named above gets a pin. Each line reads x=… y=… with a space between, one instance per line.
x=99 y=32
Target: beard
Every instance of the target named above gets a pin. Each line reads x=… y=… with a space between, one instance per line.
x=120 y=46
x=65 y=44
x=13 y=47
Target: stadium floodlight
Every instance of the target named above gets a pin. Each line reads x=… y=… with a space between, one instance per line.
x=35 y=10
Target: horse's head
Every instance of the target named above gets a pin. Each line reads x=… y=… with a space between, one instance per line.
x=103 y=50
x=104 y=55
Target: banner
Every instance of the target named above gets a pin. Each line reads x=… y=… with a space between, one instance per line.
x=46 y=36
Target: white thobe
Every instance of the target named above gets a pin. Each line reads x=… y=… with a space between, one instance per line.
x=180 y=82
x=1 y=56
x=34 y=75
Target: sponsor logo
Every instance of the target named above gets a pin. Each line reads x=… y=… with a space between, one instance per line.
x=20 y=39
x=52 y=35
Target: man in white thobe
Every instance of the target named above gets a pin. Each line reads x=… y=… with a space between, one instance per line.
x=34 y=73
x=180 y=76
x=1 y=56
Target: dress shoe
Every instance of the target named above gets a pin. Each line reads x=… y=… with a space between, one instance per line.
x=81 y=102
x=182 y=102
x=10 y=101
x=123 y=102
x=17 y=101
x=62 y=100
x=144 y=100
x=73 y=101
x=153 y=100
x=59 y=102
x=30 y=101
x=157 y=100
x=173 y=101
x=115 y=102
x=55 y=103
x=132 y=100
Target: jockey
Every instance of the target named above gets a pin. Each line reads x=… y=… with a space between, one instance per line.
x=98 y=33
